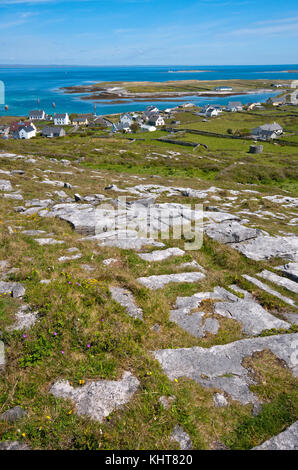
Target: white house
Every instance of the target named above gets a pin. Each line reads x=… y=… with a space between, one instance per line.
x=25 y=132
x=210 y=111
x=156 y=120
x=37 y=115
x=126 y=119
x=267 y=131
x=61 y=119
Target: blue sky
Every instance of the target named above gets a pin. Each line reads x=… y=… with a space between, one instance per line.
x=147 y=32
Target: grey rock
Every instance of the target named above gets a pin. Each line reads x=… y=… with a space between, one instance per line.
x=231 y=232
x=247 y=295
x=280 y=281
x=126 y=299
x=48 y=241
x=131 y=243
x=221 y=217
x=268 y=289
x=15 y=196
x=180 y=436
x=221 y=366
x=251 y=315
x=80 y=216
x=13 y=445
x=160 y=255
x=25 y=319
x=5 y=185
x=67 y=185
x=157 y=282
x=290 y=270
x=98 y=399
x=193 y=322
x=211 y=325
x=33 y=233
x=63 y=259
x=15 y=289
x=286 y=440
x=78 y=197
x=266 y=247
x=220 y=400
x=13 y=415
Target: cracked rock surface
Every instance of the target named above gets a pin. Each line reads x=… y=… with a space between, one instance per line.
x=98 y=399
x=221 y=366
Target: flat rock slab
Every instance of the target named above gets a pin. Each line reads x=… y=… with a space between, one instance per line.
x=80 y=216
x=253 y=317
x=268 y=289
x=221 y=366
x=131 y=243
x=33 y=233
x=126 y=299
x=280 y=281
x=160 y=255
x=13 y=415
x=193 y=322
x=25 y=319
x=48 y=241
x=180 y=436
x=98 y=399
x=15 y=196
x=231 y=232
x=13 y=445
x=2 y=355
x=157 y=282
x=15 y=289
x=286 y=440
x=5 y=185
x=62 y=259
x=266 y=247
x=290 y=270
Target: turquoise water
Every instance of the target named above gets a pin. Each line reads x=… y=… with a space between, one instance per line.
x=23 y=85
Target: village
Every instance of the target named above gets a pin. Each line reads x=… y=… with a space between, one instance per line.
x=38 y=123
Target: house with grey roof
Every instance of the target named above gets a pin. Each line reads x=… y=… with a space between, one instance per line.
x=53 y=131
x=120 y=127
x=267 y=131
x=156 y=120
x=61 y=119
x=37 y=115
x=25 y=132
x=267 y=128
x=234 y=106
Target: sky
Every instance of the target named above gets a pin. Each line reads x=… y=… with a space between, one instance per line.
x=148 y=32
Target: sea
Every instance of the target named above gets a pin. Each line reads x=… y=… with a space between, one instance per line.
x=38 y=87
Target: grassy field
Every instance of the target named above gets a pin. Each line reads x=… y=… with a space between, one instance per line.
x=76 y=308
